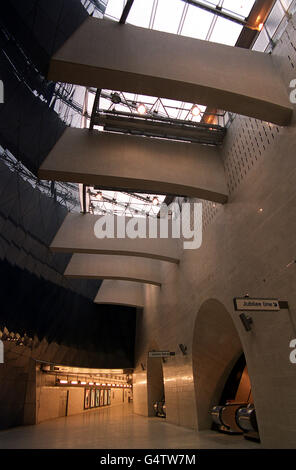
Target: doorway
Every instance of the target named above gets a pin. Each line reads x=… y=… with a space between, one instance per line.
x=155 y=384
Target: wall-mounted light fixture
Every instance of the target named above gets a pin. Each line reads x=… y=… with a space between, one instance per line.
x=246 y=321
x=183 y=349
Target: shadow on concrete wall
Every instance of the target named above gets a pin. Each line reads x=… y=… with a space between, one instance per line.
x=155 y=383
x=215 y=350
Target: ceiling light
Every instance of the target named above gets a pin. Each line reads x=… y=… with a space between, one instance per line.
x=98 y=383
x=260 y=209
x=90 y=383
x=83 y=383
x=141 y=108
x=155 y=201
x=195 y=111
x=115 y=98
x=63 y=381
x=74 y=382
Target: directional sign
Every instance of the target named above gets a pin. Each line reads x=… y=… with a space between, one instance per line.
x=161 y=353
x=246 y=303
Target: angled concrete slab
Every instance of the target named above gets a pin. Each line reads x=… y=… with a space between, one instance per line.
x=121 y=293
x=76 y=235
x=128 y=268
x=104 y=54
x=134 y=163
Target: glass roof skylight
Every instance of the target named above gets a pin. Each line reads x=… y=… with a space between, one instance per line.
x=122 y=203
x=152 y=106
x=178 y=17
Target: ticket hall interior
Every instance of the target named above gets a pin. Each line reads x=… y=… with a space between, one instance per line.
x=147 y=224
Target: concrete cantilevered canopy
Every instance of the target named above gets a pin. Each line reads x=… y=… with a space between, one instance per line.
x=104 y=54
x=121 y=293
x=128 y=268
x=76 y=235
x=137 y=163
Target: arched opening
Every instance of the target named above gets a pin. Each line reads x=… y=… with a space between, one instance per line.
x=155 y=386
x=219 y=366
x=238 y=386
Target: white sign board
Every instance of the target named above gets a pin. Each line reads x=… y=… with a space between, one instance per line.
x=160 y=353
x=256 y=304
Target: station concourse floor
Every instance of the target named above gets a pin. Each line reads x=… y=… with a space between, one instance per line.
x=116 y=428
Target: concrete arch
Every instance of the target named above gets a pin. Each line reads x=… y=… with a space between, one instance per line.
x=124 y=268
x=155 y=63
x=215 y=350
x=117 y=161
x=117 y=292
x=76 y=235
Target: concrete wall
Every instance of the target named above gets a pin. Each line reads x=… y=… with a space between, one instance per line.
x=53 y=402
x=244 y=250
x=15 y=376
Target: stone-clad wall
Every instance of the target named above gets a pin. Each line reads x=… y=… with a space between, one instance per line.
x=244 y=250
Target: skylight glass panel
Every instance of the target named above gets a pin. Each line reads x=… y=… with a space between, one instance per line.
x=168 y=15
x=226 y=32
x=172 y=107
x=286 y=3
x=197 y=23
x=240 y=7
x=274 y=19
x=121 y=203
x=140 y=13
x=153 y=107
x=115 y=8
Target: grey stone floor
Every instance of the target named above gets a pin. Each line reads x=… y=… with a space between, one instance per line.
x=115 y=428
